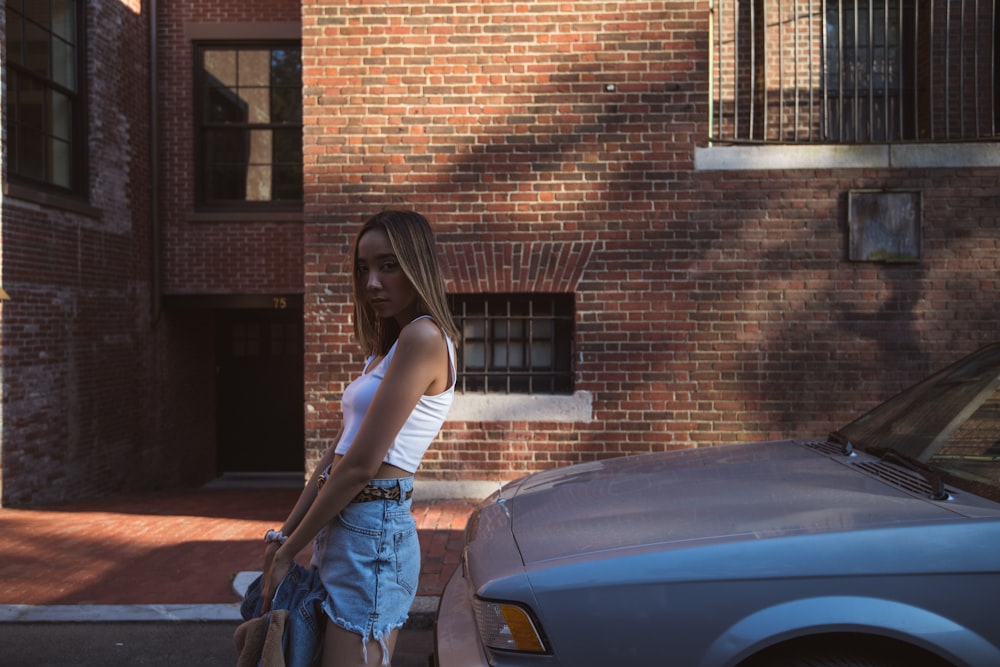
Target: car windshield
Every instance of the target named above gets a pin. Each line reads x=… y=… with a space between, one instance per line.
x=949 y=422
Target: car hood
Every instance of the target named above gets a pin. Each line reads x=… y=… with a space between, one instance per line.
x=718 y=494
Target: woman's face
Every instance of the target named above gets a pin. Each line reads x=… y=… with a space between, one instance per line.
x=379 y=274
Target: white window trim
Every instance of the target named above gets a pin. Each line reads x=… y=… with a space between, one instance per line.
x=875 y=156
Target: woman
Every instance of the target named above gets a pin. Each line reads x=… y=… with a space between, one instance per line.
x=357 y=503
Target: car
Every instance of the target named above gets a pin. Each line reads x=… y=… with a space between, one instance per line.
x=877 y=545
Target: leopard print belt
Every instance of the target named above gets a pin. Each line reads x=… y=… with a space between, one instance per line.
x=370 y=493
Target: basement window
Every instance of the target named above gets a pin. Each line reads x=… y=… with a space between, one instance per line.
x=515 y=343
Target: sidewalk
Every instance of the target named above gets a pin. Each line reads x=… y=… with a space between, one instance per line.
x=171 y=554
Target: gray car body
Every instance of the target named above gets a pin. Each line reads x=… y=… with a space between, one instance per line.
x=708 y=556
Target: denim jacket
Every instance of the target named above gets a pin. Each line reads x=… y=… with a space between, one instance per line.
x=302 y=593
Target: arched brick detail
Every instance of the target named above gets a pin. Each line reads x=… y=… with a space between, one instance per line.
x=514 y=267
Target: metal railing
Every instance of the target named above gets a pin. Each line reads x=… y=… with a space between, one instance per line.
x=853 y=71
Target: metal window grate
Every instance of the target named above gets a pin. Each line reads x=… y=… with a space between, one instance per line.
x=515 y=343
x=853 y=71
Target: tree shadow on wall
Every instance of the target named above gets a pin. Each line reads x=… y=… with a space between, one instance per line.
x=606 y=154
x=807 y=353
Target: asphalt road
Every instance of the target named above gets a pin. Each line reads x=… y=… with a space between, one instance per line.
x=193 y=644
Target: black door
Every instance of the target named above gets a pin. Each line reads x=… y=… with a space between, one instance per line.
x=260 y=390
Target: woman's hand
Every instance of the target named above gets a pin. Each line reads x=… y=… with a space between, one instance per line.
x=276 y=566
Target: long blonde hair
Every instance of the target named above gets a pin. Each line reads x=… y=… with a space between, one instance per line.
x=413 y=244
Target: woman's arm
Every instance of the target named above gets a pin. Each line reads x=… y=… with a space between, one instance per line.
x=419 y=363
x=308 y=494
x=299 y=510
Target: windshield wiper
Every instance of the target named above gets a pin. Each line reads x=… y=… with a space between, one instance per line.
x=930 y=475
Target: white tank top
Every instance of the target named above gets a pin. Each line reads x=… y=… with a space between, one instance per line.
x=421 y=427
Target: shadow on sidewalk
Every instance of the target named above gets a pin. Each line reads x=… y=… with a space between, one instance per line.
x=179 y=547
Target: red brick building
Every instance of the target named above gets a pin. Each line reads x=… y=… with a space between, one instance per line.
x=664 y=224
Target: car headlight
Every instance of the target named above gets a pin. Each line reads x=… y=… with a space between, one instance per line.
x=506 y=626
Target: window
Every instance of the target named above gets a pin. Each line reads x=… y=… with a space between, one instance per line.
x=45 y=109
x=249 y=125
x=862 y=68
x=515 y=343
x=853 y=71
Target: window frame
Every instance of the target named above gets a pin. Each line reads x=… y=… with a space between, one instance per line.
x=769 y=87
x=507 y=330
x=203 y=199
x=848 y=99
x=77 y=142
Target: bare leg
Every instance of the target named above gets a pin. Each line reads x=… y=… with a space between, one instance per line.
x=343 y=649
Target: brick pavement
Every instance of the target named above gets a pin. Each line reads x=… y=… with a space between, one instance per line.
x=174 y=547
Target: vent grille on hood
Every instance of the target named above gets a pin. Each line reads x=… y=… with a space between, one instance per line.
x=894 y=475
x=825 y=447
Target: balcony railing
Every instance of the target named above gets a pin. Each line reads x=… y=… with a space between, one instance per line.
x=853 y=71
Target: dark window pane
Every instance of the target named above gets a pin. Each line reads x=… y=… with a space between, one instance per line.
x=64 y=64
x=224 y=145
x=60 y=161
x=286 y=105
x=15 y=38
x=224 y=106
x=38 y=12
x=31 y=100
x=30 y=154
x=64 y=20
x=286 y=68
x=36 y=51
x=288 y=183
x=14 y=107
x=288 y=147
x=226 y=182
x=61 y=116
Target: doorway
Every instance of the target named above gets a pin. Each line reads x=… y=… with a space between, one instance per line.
x=260 y=390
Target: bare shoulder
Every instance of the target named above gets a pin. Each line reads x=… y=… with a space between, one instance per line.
x=423 y=336
x=423 y=348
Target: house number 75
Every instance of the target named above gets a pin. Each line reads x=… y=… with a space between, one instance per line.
x=280 y=303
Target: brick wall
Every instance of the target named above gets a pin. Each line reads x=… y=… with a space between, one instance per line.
x=205 y=253
x=76 y=330
x=712 y=307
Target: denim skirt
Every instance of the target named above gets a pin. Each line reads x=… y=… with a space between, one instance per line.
x=368 y=559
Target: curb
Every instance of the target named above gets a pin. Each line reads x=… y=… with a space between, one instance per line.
x=113 y=613
x=421 y=614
